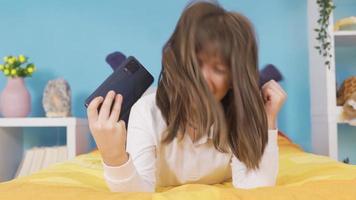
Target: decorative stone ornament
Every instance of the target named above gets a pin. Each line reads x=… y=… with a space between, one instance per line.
x=56 y=99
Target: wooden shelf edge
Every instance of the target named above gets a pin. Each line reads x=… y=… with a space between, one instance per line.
x=41 y=121
x=344 y=33
x=345 y=38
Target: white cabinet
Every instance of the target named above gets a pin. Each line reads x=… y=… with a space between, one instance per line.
x=345 y=38
x=325 y=114
x=11 y=139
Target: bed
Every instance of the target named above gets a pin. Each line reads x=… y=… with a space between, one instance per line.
x=301 y=176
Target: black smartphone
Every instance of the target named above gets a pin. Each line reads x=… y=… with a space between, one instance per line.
x=130 y=79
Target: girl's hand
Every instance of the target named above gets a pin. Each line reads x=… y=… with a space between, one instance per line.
x=108 y=133
x=274 y=97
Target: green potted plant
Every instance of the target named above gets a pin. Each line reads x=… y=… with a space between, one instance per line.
x=15 y=100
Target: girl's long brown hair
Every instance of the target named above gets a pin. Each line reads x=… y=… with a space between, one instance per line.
x=239 y=120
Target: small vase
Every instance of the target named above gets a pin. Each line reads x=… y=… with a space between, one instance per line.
x=15 y=99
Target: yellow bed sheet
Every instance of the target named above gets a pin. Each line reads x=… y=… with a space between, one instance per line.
x=301 y=176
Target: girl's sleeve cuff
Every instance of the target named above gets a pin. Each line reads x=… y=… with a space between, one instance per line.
x=272 y=139
x=119 y=173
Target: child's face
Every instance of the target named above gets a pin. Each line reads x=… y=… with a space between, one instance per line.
x=216 y=74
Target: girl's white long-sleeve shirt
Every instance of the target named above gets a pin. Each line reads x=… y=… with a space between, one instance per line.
x=152 y=164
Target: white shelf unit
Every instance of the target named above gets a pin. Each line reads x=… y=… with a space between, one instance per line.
x=345 y=38
x=11 y=140
x=325 y=114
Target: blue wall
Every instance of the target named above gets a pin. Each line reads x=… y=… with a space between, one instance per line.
x=70 y=39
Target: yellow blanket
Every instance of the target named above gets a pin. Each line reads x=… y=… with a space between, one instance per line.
x=301 y=176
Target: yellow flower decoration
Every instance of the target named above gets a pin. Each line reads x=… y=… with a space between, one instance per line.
x=6 y=72
x=22 y=58
x=13 y=72
x=15 y=66
x=11 y=60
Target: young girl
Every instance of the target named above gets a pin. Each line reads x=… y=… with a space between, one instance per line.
x=207 y=122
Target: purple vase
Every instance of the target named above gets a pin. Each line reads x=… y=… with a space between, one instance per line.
x=15 y=100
